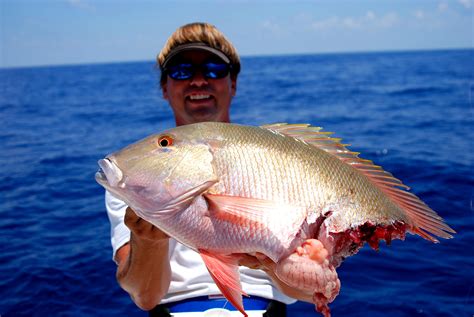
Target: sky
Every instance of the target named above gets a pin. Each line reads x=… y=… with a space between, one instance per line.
x=63 y=32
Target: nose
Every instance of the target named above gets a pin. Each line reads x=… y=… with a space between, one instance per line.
x=198 y=79
x=112 y=172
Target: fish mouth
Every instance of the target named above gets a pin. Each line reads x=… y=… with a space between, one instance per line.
x=100 y=176
x=109 y=173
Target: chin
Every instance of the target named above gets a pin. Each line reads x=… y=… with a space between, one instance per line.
x=204 y=117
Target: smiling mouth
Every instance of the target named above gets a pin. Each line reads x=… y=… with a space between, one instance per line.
x=199 y=97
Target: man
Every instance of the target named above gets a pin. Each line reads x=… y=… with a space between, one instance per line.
x=199 y=69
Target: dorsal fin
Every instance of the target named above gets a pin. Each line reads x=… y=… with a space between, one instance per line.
x=425 y=221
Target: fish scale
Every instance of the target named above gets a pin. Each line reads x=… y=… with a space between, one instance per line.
x=297 y=180
x=255 y=173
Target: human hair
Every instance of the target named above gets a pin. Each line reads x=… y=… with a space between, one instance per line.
x=199 y=32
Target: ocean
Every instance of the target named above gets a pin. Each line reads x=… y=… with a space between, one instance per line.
x=411 y=112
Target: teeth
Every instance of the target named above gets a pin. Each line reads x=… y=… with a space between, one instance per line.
x=198 y=97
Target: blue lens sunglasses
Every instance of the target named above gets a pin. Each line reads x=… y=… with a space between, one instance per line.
x=210 y=70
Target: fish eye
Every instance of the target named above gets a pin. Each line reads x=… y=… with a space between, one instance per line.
x=165 y=141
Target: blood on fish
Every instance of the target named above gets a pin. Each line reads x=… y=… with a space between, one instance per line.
x=352 y=239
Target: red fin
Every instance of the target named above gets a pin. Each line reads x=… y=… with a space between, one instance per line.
x=225 y=273
x=260 y=217
x=232 y=208
x=425 y=221
x=241 y=209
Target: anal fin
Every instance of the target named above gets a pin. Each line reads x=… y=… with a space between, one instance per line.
x=224 y=271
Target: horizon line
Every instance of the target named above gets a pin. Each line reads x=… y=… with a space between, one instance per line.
x=375 y=51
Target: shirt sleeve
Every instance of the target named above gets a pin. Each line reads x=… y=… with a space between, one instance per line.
x=119 y=232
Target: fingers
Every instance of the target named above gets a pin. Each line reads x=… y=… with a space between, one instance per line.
x=131 y=217
x=249 y=261
x=260 y=261
x=135 y=223
x=266 y=262
x=142 y=228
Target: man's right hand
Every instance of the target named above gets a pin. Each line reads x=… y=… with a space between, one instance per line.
x=143 y=264
x=141 y=228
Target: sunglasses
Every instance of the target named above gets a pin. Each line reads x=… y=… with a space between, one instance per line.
x=210 y=70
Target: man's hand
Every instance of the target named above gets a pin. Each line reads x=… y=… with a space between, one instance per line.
x=143 y=265
x=264 y=263
x=257 y=262
x=142 y=229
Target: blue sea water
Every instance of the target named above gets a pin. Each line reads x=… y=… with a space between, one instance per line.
x=410 y=112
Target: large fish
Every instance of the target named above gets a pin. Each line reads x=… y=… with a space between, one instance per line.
x=290 y=192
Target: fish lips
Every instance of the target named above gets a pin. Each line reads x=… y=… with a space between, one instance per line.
x=109 y=173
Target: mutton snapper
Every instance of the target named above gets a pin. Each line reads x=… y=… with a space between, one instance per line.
x=290 y=192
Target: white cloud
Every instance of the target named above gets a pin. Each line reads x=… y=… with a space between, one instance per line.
x=419 y=14
x=466 y=3
x=388 y=20
x=442 y=6
x=271 y=26
x=370 y=15
x=351 y=23
x=370 y=19
x=80 y=4
x=328 y=23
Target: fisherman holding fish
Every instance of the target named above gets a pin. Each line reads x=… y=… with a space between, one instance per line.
x=199 y=69
x=286 y=198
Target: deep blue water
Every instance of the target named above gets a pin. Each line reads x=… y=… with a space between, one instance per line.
x=410 y=112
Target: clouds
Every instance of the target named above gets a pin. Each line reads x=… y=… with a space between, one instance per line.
x=81 y=4
x=466 y=3
x=443 y=6
x=419 y=15
x=81 y=31
x=307 y=23
x=271 y=26
x=363 y=26
x=368 y=20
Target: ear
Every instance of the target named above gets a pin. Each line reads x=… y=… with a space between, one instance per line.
x=164 y=90
x=233 y=86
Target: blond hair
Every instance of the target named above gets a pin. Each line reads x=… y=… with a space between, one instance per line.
x=199 y=32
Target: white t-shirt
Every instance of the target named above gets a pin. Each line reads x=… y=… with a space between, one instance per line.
x=189 y=277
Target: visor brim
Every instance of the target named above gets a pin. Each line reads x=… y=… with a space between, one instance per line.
x=194 y=46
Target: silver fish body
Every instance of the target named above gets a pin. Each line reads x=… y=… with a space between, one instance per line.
x=225 y=189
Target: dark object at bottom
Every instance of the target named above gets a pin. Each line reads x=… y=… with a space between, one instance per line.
x=273 y=307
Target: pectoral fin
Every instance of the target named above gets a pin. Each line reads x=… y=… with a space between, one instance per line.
x=241 y=210
x=224 y=272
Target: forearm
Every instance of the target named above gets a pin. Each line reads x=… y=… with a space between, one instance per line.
x=144 y=271
x=287 y=290
x=264 y=263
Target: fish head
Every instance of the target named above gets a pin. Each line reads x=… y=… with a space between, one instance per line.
x=161 y=174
